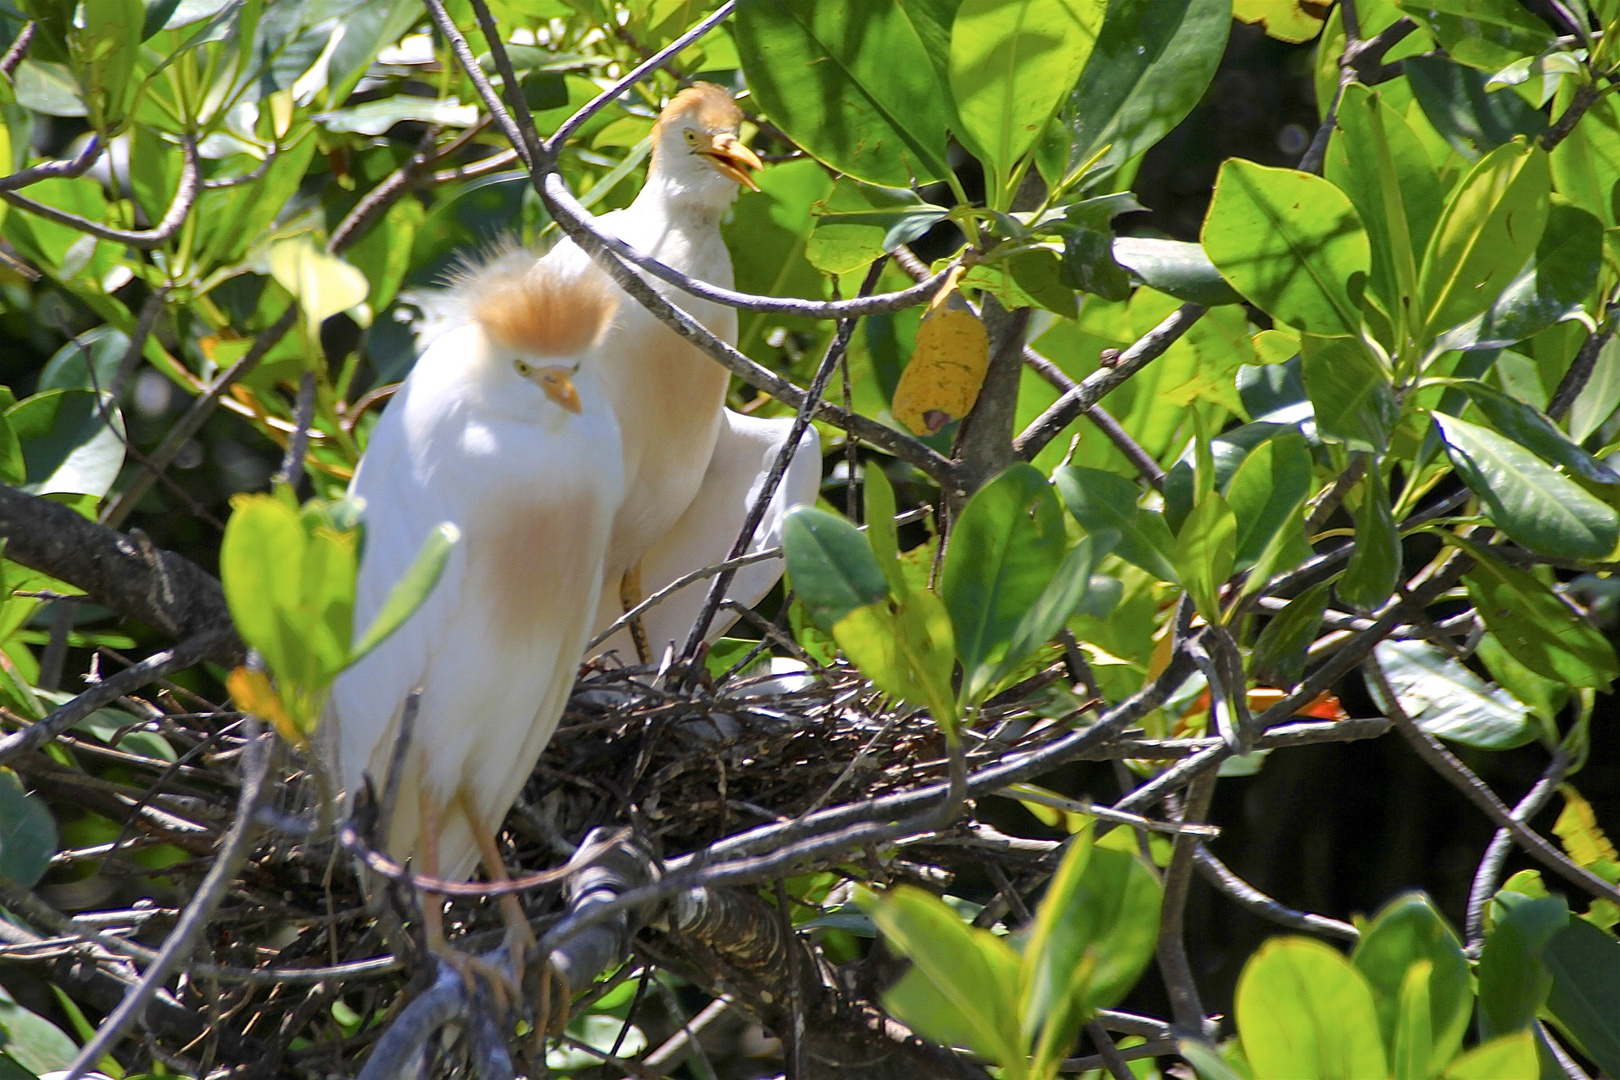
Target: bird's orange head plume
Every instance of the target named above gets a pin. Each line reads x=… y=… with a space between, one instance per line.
x=710 y=105
x=535 y=308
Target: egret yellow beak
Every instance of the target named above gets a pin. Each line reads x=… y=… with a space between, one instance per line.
x=733 y=159
x=558 y=384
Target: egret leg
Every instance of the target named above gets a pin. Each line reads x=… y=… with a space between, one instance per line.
x=629 y=597
x=470 y=967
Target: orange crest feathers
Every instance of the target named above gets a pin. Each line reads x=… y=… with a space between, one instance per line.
x=711 y=105
x=535 y=308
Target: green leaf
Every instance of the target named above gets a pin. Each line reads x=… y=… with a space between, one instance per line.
x=1279 y=652
x=376 y=117
x=1408 y=932
x=1291 y=243
x=27 y=833
x=1209 y=1063
x=1413 y=1044
x=33 y=1042
x=1152 y=63
x=1552 y=286
x=1513 y=984
x=1206 y=549
x=1534 y=431
x=260 y=562
x=878 y=496
x=1106 y=502
x=1491 y=224
x=1585 y=998
x=1450 y=702
x=1488 y=34
x=1005 y=546
x=1375 y=561
x=13 y=467
x=1528 y=499
x=1266 y=492
x=1175 y=267
x=1012 y=64
x=1586 y=162
x=962 y=986
x=831 y=566
x=67 y=446
x=1546 y=697
x=907 y=650
x=104 y=45
x=859 y=222
x=1377 y=161
x=851 y=82
x=1350 y=392
x=1469 y=117
x=1537 y=628
x=1304 y=1013
x=1094 y=934
x=411 y=590
x=1510 y=1057
x=1057 y=602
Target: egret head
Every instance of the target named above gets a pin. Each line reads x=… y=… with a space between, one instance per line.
x=695 y=144
x=540 y=323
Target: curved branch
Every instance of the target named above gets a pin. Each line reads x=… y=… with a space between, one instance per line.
x=185 y=196
x=1252 y=899
x=74 y=166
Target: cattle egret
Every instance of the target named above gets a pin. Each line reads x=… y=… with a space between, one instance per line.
x=504 y=429
x=685 y=456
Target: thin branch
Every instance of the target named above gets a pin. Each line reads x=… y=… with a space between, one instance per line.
x=77 y=165
x=1490 y=865
x=292 y=463
x=18 y=50
x=1253 y=900
x=1174 y=965
x=1585 y=362
x=1094 y=387
x=185 y=196
x=1479 y=793
x=1585 y=97
x=178 y=945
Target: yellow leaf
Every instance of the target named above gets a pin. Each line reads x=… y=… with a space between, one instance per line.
x=252 y=692
x=947 y=366
x=1274 y=346
x=1578 y=830
x=322 y=284
x=1286 y=20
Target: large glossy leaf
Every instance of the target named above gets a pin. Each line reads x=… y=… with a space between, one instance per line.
x=1351 y=393
x=851 y=82
x=32 y=1041
x=1374 y=568
x=1377 y=161
x=1552 y=286
x=1537 y=628
x=1585 y=998
x=1266 y=493
x=1469 y=117
x=1291 y=243
x=1413 y=1043
x=1304 y=1013
x=962 y=986
x=831 y=565
x=1012 y=63
x=1449 y=701
x=907 y=650
x=1487 y=34
x=881 y=535
x=1528 y=499
x=104 y=45
x=1152 y=63
x=68 y=446
x=1279 y=652
x=1491 y=225
x=27 y=833
x=410 y=590
x=1175 y=267
x=1004 y=548
x=1513 y=983
x=1535 y=431
x=1407 y=931
x=1103 y=501
x=1052 y=609
x=1585 y=164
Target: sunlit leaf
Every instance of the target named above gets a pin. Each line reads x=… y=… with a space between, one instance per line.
x=1303 y=1011
x=1406 y=932
x=1449 y=701
x=831 y=566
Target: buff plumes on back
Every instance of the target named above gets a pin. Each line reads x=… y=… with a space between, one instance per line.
x=534 y=308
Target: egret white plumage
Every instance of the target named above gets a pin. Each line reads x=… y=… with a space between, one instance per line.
x=504 y=429
x=686 y=457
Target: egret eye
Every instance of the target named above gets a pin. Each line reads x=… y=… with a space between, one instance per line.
x=522 y=369
x=691 y=137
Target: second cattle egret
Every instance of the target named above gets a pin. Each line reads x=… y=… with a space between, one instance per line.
x=689 y=463
x=504 y=429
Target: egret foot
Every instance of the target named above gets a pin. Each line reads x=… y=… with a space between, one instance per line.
x=629 y=597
